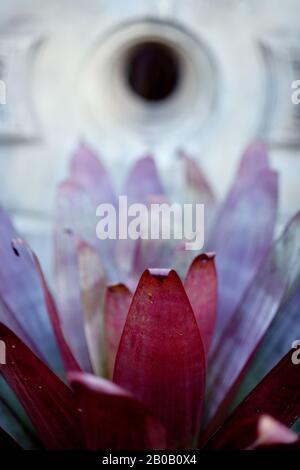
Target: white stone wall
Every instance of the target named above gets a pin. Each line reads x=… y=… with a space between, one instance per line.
x=51 y=49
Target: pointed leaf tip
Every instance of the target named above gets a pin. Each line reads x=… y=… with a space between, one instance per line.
x=23 y=307
x=87 y=170
x=254 y=159
x=143 y=181
x=161 y=358
x=271 y=432
x=201 y=288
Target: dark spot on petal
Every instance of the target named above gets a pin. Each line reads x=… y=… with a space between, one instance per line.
x=16 y=252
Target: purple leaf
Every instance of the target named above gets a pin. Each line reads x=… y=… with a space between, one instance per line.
x=201 y=288
x=198 y=190
x=143 y=182
x=87 y=170
x=112 y=419
x=23 y=307
x=142 y=186
x=254 y=160
x=67 y=355
x=278 y=339
x=69 y=298
x=117 y=302
x=243 y=231
x=76 y=214
x=196 y=181
x=92 y=288
x=254 y=315
x=161 y=359
x=48 y=402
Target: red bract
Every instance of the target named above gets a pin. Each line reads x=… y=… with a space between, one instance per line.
x=112 y=418
x=156 y=333
x=203 y=301
x=40 y=391
x=161 y=357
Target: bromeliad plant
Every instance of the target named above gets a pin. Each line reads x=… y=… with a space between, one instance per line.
x=154 y=361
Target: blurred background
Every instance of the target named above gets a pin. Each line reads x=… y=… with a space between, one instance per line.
x=138 y=76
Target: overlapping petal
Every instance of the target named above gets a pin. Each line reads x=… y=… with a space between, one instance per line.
x=89 y=173
x=92 y=289
x=49 y=403
x=201 y=288
x=143 y=182
x=161 y=359
x=156 y=341
x=197 y=190
x=69 y=298
x=113 y=419
x=21 y=297
x=254 y=315
x=65 y=350
x=278 y=395
x=243 y=232
x=281 y=334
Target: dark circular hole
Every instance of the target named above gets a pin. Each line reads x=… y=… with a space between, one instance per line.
x=152 y=70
